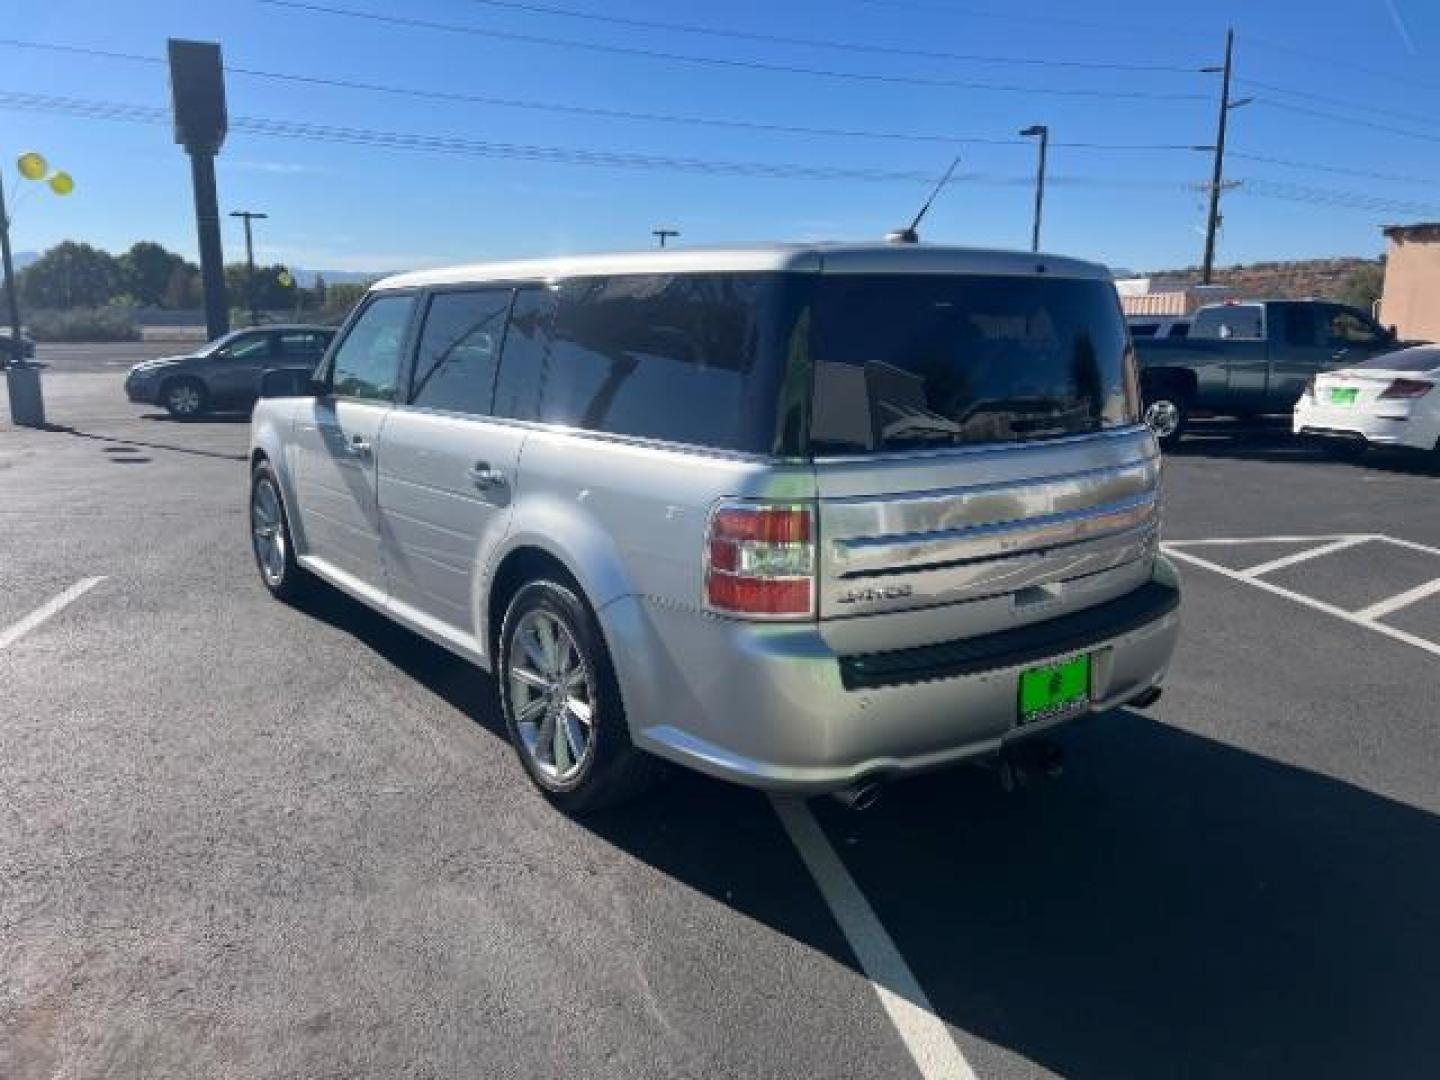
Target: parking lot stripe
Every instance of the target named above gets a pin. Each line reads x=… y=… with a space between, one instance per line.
x=1400 y=600
x=1309 y=601
x=925 y=1035
x=1303 y=556
x=15 y=631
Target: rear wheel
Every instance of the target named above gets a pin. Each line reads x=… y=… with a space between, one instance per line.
x=184 y=399
x=1167 y=412
x=562 y=703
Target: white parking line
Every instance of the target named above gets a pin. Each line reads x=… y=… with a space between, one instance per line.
x=1302 y=556
x=15 y=631
x=1357 y=618
x=925 y=1035
x=1402 y=600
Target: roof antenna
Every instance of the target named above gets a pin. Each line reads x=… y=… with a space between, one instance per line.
x=910 y=235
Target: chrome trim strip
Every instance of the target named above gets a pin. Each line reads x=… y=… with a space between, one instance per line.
x=865 y=556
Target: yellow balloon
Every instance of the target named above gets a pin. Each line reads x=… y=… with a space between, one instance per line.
x=32 y=165
x=62 y=183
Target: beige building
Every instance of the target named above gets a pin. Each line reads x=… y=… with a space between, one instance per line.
x=1141 y=296
x=1411 y=298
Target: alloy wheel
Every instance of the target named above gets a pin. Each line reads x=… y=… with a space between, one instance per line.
x=552 y=695
x=268 y=532
x=1162 y=417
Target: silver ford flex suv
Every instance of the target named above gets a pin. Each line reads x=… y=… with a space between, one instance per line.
x=800 y=517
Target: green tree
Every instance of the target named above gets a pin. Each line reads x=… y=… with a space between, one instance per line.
x=339 y=299
x=1362 y=286
x=71 y=275
x=146 y=271
x=270 y=294
x=183 y=290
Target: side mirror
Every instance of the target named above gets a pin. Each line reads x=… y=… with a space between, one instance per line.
x=286 y=382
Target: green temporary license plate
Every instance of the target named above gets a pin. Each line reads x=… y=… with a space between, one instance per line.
x=1343 y=395
x=1055 y=691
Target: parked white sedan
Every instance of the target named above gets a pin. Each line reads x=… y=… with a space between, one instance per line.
x=1389 y=400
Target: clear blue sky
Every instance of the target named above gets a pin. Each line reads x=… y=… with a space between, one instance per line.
x=369 y=208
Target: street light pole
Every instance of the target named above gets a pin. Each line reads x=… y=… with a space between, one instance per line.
x=664 y=234
x=1043 y=132
x=249 y=216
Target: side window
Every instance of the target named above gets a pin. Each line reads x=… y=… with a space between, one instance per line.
x=300 y=344
x=1350 y=328
x=1144 y=329
x=1180 y=330
x=367 y=364
x=657 y=356
x=525 y=354
x=249 y=347
x=459 y=350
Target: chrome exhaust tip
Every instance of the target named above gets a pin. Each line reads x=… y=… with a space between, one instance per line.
x=857 y=797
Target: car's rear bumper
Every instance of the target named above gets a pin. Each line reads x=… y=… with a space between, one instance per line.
x=1395 y=426
x=773 y=706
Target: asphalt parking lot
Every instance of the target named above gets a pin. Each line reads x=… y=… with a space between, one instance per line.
x=241 y=839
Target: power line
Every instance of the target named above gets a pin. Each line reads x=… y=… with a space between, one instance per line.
x=1339 y=170
x=957 y=11
x=1327 y=99
x=1332 y=61
x=825 y=43
x=460 y=97
x=1302 y=110
x=264 y=126
x=726 y=62
x=105 y=110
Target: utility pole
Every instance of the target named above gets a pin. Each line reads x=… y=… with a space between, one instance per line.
x=664 y=234
x=1043 y=132
x=249 y=216
x=1217 y=181
x=16 y=351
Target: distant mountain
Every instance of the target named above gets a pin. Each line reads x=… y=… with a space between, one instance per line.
x=1273 y=280
x=25 y=258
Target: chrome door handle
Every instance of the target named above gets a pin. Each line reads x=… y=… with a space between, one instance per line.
x=484 y=477
x=359 y=446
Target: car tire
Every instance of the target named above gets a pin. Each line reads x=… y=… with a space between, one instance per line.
x=185 y=399
x=561 y=702
x=1166 y=413
x=270 y=538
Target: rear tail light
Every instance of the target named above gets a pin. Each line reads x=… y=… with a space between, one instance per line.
x=1406 y=389
x=761 y=560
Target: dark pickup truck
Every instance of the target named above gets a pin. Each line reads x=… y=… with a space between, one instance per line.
x=1250 y=358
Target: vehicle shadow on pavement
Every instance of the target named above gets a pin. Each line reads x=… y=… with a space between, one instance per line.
x=1171 y=906
x=112 y=440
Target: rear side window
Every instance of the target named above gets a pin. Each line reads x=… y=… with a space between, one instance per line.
x=913 y=361
x=522 y=361
x=667 y=356
x=460 y=350
x=1180 y=330
x=301 y=344
x=1144 y=329
x=367 y=364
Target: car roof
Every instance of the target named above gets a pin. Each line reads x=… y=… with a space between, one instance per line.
x=761 y=258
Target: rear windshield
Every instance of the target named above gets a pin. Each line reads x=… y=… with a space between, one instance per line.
x=1422 y=359
x=914 y=361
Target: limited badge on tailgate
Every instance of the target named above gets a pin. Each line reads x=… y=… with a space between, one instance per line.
x=1055 y=691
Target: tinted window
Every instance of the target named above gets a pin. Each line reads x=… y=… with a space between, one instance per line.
x=367 y=364
x=1144 y=329
x=1180 y=330
x=1227 y=321
x=1351 y=328
x=459 y=350
x=301 y=344
x=1299 y=325
x=906 y=361
x=666 y=357
x=522 y=360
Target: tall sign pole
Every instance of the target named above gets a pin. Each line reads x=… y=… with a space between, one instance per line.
x=197 y=93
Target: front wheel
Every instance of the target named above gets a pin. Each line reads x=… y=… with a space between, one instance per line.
x=270 y=538
x=562 y=703
x=184 y=399
x=1166 y=414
